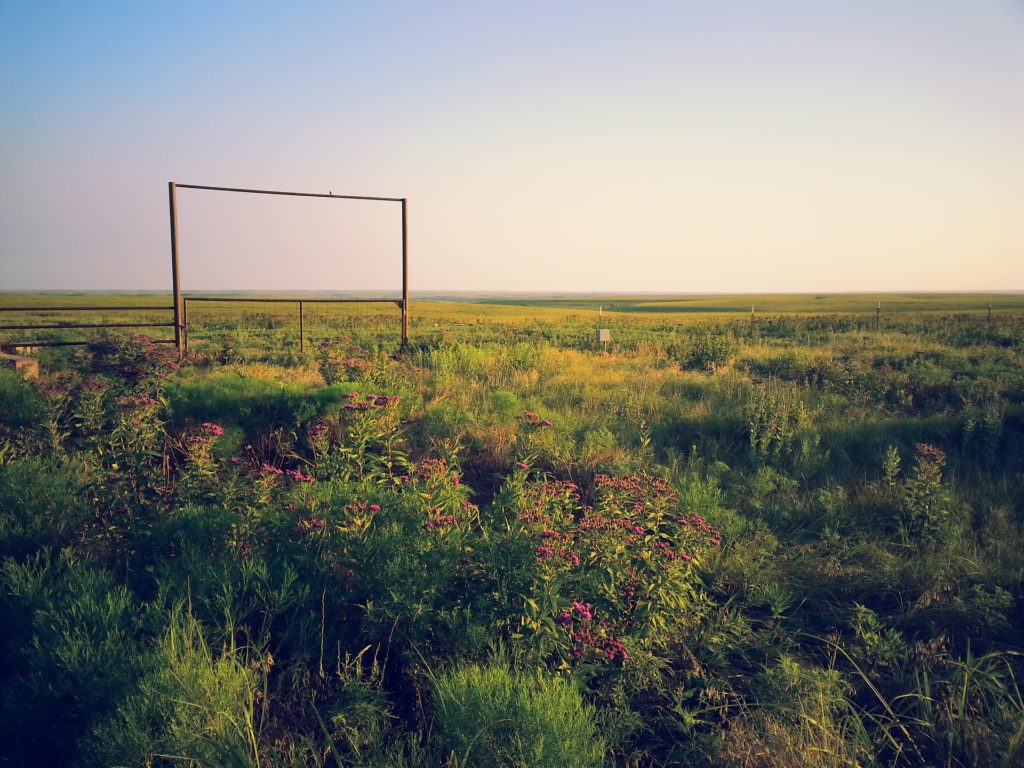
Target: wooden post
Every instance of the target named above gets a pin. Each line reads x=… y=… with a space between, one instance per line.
x=176 y=280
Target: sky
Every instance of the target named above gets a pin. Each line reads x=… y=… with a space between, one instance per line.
x=735 y=146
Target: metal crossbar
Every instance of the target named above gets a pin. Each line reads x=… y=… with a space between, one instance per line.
x=117 y=308
x=72 y=326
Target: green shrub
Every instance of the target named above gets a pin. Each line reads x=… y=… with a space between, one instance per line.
x=779 y=422
x=74 y=648
x=617 y=574
x=130 y=358
x=708 y=351
x=22 y=412
x=257 y=405
x=41 y=505
x=925 y=512
x=198 y=706
x=493 y=716
x=357 y=718
x=20 y=403
x=804 y=720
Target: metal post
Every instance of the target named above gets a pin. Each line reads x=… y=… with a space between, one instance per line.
x=878 y=316
x=302 y=334
x=405 y=277
x=990 y=314
x=176 y=288
x=184 y=321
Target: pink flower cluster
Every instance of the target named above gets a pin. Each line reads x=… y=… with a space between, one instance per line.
x=138 y=400
x=637 y=491
x=587 y=635
x=430 y=468
x=437 y=472
x=665 y=550
x=542 y=500
x=370 y=401
x=533 y=420
x=557 y=545
x=439 y=521
x=269 y=470
x=699 y=525
x=210 y=432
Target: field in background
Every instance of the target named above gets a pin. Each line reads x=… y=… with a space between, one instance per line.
x=633 y=319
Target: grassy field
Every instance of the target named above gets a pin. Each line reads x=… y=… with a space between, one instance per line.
x=633 y=319
x=797 y=541
x=863 y=303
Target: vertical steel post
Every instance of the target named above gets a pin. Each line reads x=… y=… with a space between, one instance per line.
x=302 y=333
x=878 y=316
x=990 y=314
x=405 y=278
x=184 y=322
x=176 y=287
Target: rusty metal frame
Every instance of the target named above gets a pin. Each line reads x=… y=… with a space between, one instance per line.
x=180 y=331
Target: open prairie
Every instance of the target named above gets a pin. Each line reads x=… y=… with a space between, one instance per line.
x=792 y=539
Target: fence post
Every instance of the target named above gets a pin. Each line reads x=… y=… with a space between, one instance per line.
x=302 y=333
x=405 y=278
x=176 y=287
x=184 y=322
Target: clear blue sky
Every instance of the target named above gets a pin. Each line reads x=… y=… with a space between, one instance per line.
x=670 y=146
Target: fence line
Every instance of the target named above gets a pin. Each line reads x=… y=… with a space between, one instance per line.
x=300 y=305
x=6 y=345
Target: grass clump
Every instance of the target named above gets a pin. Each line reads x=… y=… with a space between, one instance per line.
x=198 y=706
x=492 y=716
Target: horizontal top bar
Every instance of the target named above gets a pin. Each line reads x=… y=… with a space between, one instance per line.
x=82 y=309
x=289 y=194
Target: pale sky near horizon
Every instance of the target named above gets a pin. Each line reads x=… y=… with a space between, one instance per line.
x=671 y=146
